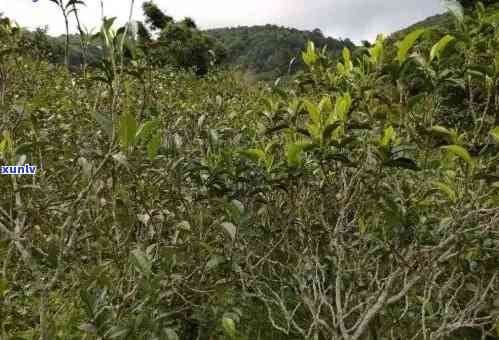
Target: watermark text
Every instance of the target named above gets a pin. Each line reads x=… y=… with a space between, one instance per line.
x=25 y=169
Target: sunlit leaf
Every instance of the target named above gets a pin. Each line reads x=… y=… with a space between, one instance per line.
x=342 y=106
x=407 y=43
x=495 y=134
x=229 y=327
x=326 y=105
x=376 y=52
x=443 y=187
x=147 y=130
x=310 y=56
x=459 y=151
x=439 y=47
x=314 y=131
x=347 y=58
x=314 y=112
x=293 y=152
x=441 y=130
x=255 y=155
x=127 y=130
x=388 y=136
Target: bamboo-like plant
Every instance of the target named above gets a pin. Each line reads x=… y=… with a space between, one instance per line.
x=66 y=9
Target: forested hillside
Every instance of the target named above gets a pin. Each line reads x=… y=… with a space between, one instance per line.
x=443 y=22
x=267 y=50
x=173 y=199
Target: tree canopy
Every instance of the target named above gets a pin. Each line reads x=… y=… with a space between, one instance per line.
x=179 y=42
x=269 y=49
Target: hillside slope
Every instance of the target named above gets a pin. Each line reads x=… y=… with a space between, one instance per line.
x=268 y=49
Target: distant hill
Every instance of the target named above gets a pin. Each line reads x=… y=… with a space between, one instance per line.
x=267 y=50
x=443 y=21
x=436 y=21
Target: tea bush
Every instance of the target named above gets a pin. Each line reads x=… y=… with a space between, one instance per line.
x=358 y=201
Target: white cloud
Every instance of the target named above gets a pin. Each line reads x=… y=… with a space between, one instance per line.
x=356 y=19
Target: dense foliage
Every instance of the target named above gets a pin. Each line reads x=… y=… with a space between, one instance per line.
x=470 y=4
x=178 y=43
x=267 y=50
x=359 y=201
x=264 y=51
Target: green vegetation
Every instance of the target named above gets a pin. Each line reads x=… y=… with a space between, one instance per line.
x=267 y=50
x=470 y=4
x=358 y=201
x=178 y=43
x=264 y=52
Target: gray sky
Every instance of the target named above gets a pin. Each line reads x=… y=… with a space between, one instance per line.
x=354 y=19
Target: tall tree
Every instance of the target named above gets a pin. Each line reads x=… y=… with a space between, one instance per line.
x=180 y=43
x=155 y=16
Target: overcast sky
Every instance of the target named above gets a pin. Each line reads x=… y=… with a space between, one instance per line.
x=354 y=19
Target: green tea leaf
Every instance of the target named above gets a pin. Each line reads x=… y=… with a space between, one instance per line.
x=443 y=187
x=407 y=43
x=153 y=146
x=495 y=134
x=310 y=57
x=388 y=136
x=127 y=130
x=459 y=151
x=293 y=152
x=118 y=332
x=314 y=131
x=342 y=107
x=147 y=130
x=314 y=112
x=255 y=155
x=229 y=327
x=347 y=58
x=328 y=131
x=142 y=262
x=437 y=129
x=376 y=52
x=326 y=105
x=439 y=47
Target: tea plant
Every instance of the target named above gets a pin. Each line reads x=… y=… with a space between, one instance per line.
x=358 y=200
